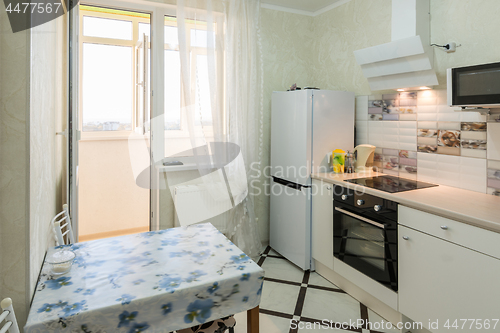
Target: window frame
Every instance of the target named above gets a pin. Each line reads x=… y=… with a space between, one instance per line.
x=98 y=135
x=183 y=132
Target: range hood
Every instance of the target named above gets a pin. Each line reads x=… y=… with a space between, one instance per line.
x=405 y=62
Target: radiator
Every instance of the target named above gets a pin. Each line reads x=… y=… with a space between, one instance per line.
x=194 y=204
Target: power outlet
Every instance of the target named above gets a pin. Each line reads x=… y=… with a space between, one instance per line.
x=451 y=47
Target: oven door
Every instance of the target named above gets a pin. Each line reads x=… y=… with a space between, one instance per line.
x=368 y=245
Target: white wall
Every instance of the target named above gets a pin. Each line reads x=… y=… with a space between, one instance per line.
x=47 y=151
x=109 y=199
x=359 y=24
x=14 y=165
x=286 y=44
x=318 y=51
x=32 y=83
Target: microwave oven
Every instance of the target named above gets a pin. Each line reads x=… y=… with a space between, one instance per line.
x=474 y=86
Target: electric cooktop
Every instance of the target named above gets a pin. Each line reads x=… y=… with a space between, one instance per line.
x=390 y=183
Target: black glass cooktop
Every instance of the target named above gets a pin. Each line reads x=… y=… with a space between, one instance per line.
x=390 y=184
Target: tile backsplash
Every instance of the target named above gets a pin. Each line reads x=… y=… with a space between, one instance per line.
x=418 y=136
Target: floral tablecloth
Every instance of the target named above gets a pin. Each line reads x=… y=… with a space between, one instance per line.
x=156 y=281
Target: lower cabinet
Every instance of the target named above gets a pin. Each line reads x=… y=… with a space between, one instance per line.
x=447 y=287
x=322 y=222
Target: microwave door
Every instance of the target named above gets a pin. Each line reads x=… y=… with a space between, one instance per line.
x=474 y=86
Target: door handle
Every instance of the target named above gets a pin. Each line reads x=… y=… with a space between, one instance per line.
x=364 y=219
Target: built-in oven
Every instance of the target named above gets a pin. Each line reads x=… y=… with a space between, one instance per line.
x=365 y=234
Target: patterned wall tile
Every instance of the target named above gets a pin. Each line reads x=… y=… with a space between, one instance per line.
x=448 y=142
x=419 y=136
x=390 y=161
x=473 y=139
x=408 y=164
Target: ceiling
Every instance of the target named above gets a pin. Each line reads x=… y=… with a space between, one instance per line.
x=309 y=7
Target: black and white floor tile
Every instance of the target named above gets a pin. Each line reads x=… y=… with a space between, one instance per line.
x=306 y=298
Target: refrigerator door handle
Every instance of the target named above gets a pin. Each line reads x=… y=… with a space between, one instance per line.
x=290 y=184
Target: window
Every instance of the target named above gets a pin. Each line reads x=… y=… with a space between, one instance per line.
x=109 y=68
x=111 y=56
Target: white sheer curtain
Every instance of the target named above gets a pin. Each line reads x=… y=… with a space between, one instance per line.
x=221 y=74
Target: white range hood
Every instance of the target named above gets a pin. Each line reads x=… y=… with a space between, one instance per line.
x=405 y=62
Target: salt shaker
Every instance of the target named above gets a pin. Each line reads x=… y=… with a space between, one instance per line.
x=349 y=162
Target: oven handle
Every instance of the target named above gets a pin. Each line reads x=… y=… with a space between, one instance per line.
x=364 y=219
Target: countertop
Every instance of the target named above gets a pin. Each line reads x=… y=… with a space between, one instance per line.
x=474 y=208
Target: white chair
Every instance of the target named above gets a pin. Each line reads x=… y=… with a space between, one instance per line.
x=59 y=223
x=9 y=317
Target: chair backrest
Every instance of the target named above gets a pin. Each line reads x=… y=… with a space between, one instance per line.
x=8 y=315
x=61 y=224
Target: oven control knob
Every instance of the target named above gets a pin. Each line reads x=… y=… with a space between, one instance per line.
x=360 y=202
x=377 y=208
x=344 y=196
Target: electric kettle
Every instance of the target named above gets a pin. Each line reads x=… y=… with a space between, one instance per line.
x=364 y=158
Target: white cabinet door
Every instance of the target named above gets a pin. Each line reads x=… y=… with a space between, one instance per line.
x=290 y=225
x=322 y=222
x=291 y=128
x=442 y=281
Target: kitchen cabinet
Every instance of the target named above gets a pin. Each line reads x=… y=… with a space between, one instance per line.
x=443 y=281
x=322 y=222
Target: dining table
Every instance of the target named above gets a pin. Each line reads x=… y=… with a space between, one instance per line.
x=157 y=281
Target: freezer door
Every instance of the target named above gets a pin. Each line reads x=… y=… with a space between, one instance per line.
x=333 y=125
x=291 y=130
x=290 y=225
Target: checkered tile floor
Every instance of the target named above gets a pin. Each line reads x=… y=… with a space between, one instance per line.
x=306 y=298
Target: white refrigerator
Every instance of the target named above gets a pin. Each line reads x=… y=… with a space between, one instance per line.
x=305 y=126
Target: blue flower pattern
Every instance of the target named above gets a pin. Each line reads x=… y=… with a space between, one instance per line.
x=75 y=308
x=89 y=292
x=137 y=328
x=170 y=283
x=130 y=269
x=126 y=318
x=193 y=276
x=58 y=283
x=125 y=299
x=240 y=258
x=245 y=276
x=213 y=288
x=166 y=308
x=199 y=310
